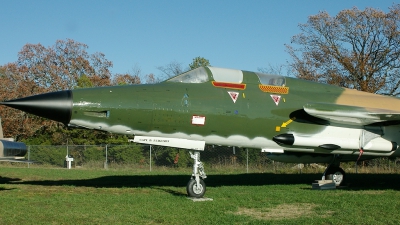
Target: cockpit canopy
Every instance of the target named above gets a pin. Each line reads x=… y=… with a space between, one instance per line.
x=200 y=75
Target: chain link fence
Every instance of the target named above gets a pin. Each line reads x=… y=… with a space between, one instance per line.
x=215 y=158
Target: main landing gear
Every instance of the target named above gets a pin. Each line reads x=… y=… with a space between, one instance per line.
x=196 y=186
x=334 y=172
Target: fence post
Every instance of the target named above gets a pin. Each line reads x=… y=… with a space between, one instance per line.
x=247 y=160
x=150 y=158
x=29 y=154
x=106 y=162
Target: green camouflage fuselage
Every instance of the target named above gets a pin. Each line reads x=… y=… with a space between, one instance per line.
x=245 y=114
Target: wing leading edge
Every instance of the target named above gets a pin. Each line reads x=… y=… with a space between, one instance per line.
x=351 y=115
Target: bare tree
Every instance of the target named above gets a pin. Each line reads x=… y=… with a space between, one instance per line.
x=151 y=79
x=357 y=49
x=277 y=69
x=172 y=69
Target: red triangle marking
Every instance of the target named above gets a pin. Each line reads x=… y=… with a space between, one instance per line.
x=234 y=95
x=276 y=98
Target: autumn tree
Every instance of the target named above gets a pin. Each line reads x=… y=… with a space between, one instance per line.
x=357 y=49
x=65 y=65
x=59 y=67
x=125 y=79
x=83 y=82
x=199 y=62
x=14 y=85
x=132 y=77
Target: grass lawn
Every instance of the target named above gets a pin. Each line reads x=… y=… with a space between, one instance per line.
x=84 y=196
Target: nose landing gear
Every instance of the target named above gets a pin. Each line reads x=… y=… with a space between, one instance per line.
x=196 y=187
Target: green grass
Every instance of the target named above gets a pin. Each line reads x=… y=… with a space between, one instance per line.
x=84 y=196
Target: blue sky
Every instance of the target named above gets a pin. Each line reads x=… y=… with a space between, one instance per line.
x=149 y=33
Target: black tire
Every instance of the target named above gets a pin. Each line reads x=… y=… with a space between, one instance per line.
x=193 y=190
x=336 y=174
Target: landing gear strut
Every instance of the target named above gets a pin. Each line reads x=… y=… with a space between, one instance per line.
x=196 y=186
x=334 y=172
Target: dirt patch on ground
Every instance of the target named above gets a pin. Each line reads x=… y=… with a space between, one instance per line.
x=283 y=211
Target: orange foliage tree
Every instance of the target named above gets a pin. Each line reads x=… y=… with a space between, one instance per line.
x=358 y=49
x=39 y=70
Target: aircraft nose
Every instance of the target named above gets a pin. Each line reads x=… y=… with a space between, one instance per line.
x=54 y=105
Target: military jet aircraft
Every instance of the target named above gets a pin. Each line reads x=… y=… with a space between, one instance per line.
x=291 y=120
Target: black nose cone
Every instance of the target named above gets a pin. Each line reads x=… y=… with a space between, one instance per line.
x=54 y=105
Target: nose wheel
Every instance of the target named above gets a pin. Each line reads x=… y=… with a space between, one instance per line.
x=196 y=190
x=196 y=187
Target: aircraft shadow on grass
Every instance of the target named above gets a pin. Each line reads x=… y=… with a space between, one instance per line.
x=354 y=181
x=5 y=180
x=7 y=189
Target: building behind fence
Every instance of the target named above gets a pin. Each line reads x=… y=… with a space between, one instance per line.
x=151 y=157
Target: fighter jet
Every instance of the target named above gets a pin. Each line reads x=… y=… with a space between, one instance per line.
x=289 y=119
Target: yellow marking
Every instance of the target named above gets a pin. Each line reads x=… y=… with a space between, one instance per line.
x=274 y=89
x=284 y=100
x=244 y=95
x=277 y=128
x=284 y=124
